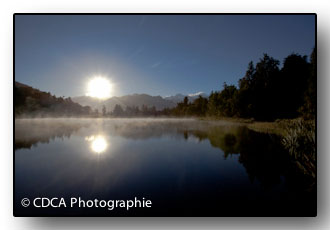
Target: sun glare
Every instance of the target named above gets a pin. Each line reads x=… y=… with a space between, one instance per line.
x=98 y=143
x=99 y=87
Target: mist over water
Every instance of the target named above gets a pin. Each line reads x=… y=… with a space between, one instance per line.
x=184 y=166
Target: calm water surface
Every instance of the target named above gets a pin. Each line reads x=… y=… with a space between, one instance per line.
x=185 y=167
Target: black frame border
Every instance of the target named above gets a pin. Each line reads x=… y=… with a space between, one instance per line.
x=74 y=14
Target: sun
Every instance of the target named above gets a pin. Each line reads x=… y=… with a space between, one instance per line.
x=99 y=87
x=98 y=143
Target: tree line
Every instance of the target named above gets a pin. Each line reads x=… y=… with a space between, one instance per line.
x=265 y=92
x=132 y=111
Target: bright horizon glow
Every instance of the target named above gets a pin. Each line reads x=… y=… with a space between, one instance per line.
x=99 y=87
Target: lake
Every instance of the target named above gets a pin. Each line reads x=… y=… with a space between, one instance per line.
x=186 y=167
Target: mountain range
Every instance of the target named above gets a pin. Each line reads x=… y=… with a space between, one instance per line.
x=28 y=98
x=179 y=97
x=135 y=100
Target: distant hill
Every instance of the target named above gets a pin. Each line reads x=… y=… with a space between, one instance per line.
x=135 y=100
x=20 y=85
x=31 y=102
x=129 y=100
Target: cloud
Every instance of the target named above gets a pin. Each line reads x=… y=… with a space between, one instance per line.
x=195 y=94
x=155 y=65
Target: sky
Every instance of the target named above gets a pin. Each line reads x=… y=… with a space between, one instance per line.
x=153 y=54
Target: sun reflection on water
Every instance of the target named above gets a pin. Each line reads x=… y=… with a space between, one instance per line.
x=98 y=143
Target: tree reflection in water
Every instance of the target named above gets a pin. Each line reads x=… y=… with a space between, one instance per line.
x=267 y=165
x=262 y=155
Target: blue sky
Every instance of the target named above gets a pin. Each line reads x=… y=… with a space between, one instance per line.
x=153 y=54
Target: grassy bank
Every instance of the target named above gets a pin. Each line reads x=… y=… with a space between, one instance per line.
x=297 y=136
x=277 y=127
